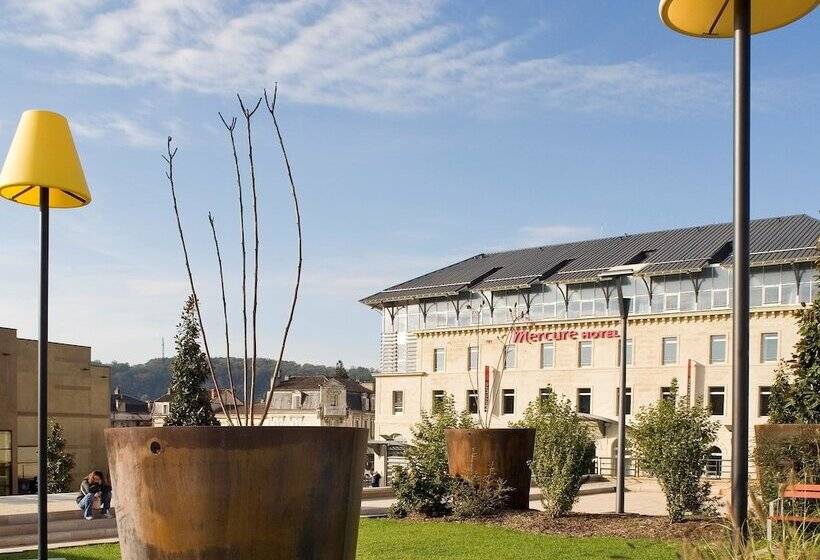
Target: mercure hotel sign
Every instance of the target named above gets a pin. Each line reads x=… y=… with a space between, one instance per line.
x=570 y=334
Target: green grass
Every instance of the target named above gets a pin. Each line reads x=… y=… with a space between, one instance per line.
x=385 y=539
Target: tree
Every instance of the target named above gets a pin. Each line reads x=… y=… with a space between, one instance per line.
x=60 y=463
x=563 y=454
x=424 y=485
x=795 y=395
x=341 y=371
x=671 y=440
x=190 y=403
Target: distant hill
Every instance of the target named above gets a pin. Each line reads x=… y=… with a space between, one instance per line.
x=150 y=380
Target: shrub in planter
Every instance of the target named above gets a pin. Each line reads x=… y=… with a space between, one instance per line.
x=564 y=451
x=424 y=484
x=671 y=439
x=481 y=496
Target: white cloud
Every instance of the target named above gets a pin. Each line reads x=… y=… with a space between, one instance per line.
x=554 y=233
x=116 y=127
x=373 y=55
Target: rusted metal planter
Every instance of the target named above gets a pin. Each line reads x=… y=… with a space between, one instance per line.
x=239 y=493
x=475 y=452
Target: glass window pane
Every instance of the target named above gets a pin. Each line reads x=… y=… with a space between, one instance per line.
x=585 y=354
x=717 y=400
x=508 y=401
x=768 y=347
x=670 y=350
x=509 y=356
x=584 y=402
x=547 y=355
x=717 y=349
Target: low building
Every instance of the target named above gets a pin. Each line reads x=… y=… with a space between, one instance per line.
x=129 y=412
x=500 y=330
x=161 y=407
x=79 y=399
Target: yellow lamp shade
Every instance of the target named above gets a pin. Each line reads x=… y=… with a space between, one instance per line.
x=715 y=18
x=42 y=154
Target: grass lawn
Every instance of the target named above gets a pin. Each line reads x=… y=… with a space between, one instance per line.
x=385 y=539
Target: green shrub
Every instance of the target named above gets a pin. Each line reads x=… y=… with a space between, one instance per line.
x=786 y=454
x=485 y=495
x=671 y=440
x=59 y=461
x=563 y=454
x=424 y=484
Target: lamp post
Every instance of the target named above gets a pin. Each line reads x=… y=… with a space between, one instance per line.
x=738 y=19
x=42 y=169
x=620 y=466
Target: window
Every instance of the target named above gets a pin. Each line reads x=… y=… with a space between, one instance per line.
x=438 y=398
x=472 y=358
x=628 y=352
x=764 y=394
x=768 y=347
x=5 y=463
x=666 y=393
x=714 y=464
x=438 y=359
x=670 y=350
x=720 y=299
x=584 y=401
x=628 y=404
x=548 y=355
x=717 y=349
x=717 y=400
x=585 y=353
x=509 y=356
x=544 y=393
x=398 y=402
x=771 y=295
x=508 y=401
x=472 y=401
x=671 y=302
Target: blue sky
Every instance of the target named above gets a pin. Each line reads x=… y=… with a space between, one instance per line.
x=420 y=133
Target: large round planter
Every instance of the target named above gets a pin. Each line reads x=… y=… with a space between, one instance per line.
x=239 y=493
x=506 y=452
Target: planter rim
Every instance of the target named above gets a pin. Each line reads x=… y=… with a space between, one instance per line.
x=243 y=428
x=488 y=429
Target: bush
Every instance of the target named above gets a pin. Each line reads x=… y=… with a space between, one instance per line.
x=424 y=484
x=59 y=461
x=672 y=440
x=786 y=454
x=563 y=454
x=485 y=495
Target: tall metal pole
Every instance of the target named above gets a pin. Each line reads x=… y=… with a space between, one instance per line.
x=740 y=302
x=42 y=386
x=620 y=487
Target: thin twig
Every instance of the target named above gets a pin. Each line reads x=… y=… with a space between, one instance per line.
x=271 y=107
x=170 y=175
x=225 y=316
x=248 y=114
x=245 y=385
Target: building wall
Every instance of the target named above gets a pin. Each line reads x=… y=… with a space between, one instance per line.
x=646 y=375
x=79 y=394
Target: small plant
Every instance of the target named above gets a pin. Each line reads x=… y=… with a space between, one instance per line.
x=60 y=462
x=485 y=495
x=563 y=454
x=423 y=486
x=672 y=440
x=190 y=404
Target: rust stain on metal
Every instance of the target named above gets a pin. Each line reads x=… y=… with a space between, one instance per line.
x=243 y=493
x=475 y=452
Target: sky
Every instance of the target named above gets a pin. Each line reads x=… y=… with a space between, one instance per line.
x=420 y=133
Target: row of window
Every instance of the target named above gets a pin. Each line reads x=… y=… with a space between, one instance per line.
x=769 y=352
x=583 y=400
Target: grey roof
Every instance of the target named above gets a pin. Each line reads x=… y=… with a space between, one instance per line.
x=132 y=404
x=773 y=240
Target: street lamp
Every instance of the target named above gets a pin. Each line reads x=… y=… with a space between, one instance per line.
x=617 y=274
x=42 y=169
x=738 y=19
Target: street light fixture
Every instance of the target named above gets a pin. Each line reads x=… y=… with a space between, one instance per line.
x=738 y=19
x=617 y=274
x=42 y=169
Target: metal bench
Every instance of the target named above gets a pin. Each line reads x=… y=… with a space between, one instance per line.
x=793 y=492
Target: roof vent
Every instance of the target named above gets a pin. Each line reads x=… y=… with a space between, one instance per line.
x=722 y=253
x=640 y=257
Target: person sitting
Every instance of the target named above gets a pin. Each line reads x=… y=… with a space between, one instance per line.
x=94 y=492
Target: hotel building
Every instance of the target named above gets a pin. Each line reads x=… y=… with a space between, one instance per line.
x=499 y=330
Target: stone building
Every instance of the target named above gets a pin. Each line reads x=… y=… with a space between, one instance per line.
x=129 y=412
x=79 y=399
x=499 y=330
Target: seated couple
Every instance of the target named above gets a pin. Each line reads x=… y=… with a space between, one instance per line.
x=94 y=494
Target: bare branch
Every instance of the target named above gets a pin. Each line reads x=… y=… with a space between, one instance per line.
x=248 y=114
x=271 y=107
x=170 y=175
x=245 y=384
x=225 y=316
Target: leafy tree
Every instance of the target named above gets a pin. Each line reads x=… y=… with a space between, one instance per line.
x=795 y=395
x=563 y=454
x=340 y=369
x=60 y=463
x=424 y=484
x=190 y=402
x=671 y=440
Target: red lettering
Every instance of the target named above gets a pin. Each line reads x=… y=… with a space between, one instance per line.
x=573 y=334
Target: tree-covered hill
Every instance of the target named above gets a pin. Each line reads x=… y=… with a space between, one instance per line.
x=149 y=381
